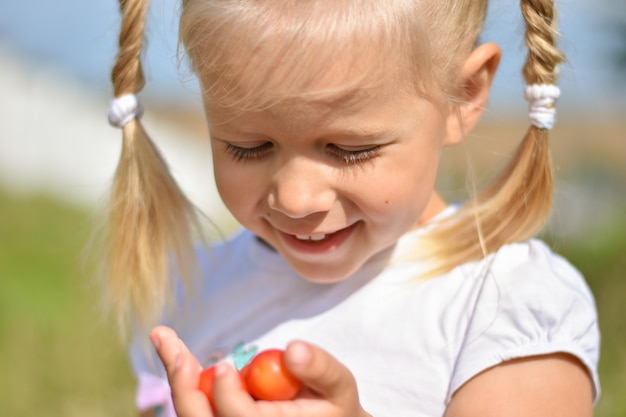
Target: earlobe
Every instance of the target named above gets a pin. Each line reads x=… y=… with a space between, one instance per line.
x=475 y=81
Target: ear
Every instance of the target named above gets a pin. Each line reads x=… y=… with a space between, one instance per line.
x=477 y=74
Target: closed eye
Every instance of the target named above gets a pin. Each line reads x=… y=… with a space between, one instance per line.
x=241 y=154
x=353 y=157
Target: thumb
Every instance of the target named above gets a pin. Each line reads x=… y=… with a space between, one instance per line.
x=322 y=373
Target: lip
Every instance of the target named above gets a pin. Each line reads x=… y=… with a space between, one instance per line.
x=307 y=247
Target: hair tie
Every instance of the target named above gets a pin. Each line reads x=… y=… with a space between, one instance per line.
x=124 y=109
x=541 y=104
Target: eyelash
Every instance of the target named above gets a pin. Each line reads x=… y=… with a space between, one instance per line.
x=246 y=154
x=344 y=156
x=353 y=157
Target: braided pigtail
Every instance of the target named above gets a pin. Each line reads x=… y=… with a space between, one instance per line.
x=518 y=203
x=148 y=217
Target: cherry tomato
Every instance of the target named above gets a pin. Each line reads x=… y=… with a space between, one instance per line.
x=267 y=378
x=207 y=379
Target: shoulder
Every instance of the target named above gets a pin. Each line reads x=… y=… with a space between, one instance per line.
x=529 y=280
x=533 y=258
x=531 y=302
x=528 y=273
x=532 y=272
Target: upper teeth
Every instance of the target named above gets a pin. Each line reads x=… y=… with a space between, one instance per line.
x=311 y=237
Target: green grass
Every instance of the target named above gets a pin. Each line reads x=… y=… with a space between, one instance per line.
x=57 y=355
x=601 y=260
x=59 y=358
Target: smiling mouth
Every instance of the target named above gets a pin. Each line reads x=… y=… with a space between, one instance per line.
x=317 y=243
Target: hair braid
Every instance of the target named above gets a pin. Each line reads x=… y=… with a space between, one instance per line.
x=148 y=216
x=516 y=205
x=127 y=74
x=541 y=35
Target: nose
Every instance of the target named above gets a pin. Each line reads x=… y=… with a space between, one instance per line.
x=301 y=188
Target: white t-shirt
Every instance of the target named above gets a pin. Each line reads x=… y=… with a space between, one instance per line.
x=410 y=343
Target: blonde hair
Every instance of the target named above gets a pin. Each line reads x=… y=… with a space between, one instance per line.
x=517 y=204
x=148 y=217
x=227 y=43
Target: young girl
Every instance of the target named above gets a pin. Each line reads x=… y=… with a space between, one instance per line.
x=327 y=122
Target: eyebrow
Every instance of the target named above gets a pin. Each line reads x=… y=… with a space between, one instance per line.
x=363 y=133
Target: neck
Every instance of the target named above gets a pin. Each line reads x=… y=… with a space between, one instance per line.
x=435 y=205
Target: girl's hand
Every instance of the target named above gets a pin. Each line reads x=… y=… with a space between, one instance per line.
x=183 y=373
x=329 y=389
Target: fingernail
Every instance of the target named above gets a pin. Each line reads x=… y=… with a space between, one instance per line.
x=300 y=353
x=221 y=369
x=156 y=340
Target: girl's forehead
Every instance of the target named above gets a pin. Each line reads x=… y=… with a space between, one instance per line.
x=345 y=87
x=362 y=115
x=256 y=62
x=315 y=77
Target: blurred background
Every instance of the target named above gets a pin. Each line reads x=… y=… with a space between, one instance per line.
x=61 y=357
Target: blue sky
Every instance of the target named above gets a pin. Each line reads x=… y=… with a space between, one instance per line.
x=77 y=37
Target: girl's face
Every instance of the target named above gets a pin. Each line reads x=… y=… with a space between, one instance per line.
x=330 y=183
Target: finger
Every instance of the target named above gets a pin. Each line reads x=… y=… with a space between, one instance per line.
x=167 y=346
x=183 y=371
x=229 y=394
x=322 y=373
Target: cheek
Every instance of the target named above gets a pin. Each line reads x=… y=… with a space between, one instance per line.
x=226 y=192
x=406 y=181
x=238 y=191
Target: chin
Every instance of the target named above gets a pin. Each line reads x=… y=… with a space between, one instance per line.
x=324 y=275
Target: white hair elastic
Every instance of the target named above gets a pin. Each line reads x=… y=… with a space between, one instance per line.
x=124 y=109
x=541 y=104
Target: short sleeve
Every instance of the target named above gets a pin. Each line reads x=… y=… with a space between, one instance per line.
x=532 y=302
